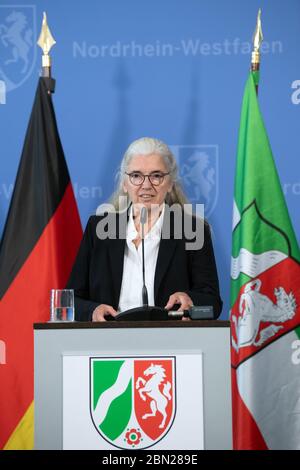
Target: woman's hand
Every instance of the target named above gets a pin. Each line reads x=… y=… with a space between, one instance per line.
x=101 y=311
x=180 y=298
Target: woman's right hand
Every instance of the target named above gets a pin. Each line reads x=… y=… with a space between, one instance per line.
x=101 y=311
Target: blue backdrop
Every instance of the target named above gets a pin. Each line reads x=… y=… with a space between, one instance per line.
x=172 y=69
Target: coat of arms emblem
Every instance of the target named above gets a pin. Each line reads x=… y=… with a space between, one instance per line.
x=132 y=400
x=17 y=47
x=199 y=174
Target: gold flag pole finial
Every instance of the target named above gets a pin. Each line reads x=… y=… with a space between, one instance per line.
x=46 y=41
x=257 y=40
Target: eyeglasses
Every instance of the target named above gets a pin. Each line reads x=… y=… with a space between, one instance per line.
x=156 y=178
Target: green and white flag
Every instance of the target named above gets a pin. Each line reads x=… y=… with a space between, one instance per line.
x=265 y=295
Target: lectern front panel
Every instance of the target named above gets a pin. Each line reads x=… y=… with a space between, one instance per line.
x=201 y=348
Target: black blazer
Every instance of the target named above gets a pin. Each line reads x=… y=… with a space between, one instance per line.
x=97 y=273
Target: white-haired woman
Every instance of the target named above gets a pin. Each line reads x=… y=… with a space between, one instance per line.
x=107 y=274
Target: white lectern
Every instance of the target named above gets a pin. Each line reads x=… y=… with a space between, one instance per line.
x=133 y=385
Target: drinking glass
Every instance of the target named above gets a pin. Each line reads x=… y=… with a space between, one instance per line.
x=62 y=305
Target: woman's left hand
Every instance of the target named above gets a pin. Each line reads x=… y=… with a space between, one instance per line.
x=180 y=298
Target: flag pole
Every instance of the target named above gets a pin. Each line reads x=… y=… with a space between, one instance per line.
x=46 y=41
x=257 y=40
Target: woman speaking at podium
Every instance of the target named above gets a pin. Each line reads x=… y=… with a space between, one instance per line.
x=179 y=269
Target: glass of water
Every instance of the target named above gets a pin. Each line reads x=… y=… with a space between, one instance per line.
x=62 y=305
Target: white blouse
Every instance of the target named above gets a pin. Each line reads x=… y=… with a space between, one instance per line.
x=132 y=281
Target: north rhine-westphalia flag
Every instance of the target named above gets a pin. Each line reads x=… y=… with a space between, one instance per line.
x=40 y=241
x=265 y=295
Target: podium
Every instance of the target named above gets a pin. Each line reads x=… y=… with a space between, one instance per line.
x=132 y=385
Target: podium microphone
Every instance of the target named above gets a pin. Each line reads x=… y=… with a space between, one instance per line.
x=143 y=220
x=146 y=312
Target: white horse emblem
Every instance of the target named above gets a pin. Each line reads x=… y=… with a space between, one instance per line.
x=17 y=51
x=19 y=37
x=151 y=388
x=199 y=174
x=255 y=308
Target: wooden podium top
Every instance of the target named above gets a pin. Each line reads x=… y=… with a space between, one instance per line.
x=133 y=324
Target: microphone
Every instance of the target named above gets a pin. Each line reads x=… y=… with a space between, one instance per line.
x=152 y=313
x=143 y=220
x=146 y=312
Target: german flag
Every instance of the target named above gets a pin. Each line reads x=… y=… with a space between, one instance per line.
x=40 y=241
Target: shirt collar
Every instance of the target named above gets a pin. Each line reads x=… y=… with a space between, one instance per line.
x=154 y=233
